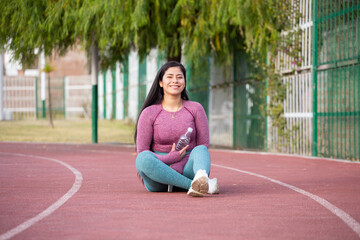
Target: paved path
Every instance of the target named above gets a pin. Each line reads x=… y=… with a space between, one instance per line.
x=59 y=191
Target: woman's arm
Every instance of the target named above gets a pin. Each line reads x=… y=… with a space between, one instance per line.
x=202 y=126
x=145 y=133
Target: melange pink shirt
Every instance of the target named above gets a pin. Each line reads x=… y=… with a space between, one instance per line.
x=157 y=131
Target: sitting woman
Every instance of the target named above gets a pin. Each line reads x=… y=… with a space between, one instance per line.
x=167 y=114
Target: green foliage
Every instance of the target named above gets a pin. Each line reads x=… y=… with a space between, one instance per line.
x=23 y=25
x=156 y=24
x=193 y=28
x=200 y=27
x=224 y=26
x=18 y=27
x=48 y=68
x=50 y=26
x=107 y=23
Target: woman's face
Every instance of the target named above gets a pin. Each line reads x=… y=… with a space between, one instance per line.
x=173 y=81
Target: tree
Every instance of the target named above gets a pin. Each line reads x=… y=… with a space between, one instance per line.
x=23 y=28
x=204 y=27
x=50 y=26
x=155 y=26
x=109 y=29
x=48 y=69
x=199 y=27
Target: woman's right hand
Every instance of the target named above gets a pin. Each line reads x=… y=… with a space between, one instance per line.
x=182 y=152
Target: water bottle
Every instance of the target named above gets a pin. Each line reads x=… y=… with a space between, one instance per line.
x=184 y=140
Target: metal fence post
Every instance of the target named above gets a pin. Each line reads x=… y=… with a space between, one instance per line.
x=94 y=83
x=125 y=69
x=104 y=91
x=43 y=84
x=36 y=99
x=113 y=76
x=1 y=85
x=64 y=95
x=314 y=71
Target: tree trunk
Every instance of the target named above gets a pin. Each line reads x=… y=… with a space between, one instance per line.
x=49 y=101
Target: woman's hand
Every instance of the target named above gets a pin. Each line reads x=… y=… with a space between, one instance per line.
x=182 y=152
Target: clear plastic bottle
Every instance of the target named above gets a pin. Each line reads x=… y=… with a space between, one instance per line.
x=184 y=140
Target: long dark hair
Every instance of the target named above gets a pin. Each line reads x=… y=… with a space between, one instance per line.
x=156 y=93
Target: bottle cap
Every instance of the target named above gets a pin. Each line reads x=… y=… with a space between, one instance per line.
x=190 y=129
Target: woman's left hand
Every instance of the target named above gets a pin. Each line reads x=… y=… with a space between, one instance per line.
x=182 y=152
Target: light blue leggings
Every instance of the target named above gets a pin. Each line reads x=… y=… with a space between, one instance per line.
x=157 y=175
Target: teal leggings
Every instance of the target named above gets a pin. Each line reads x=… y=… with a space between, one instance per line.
x=157 y=175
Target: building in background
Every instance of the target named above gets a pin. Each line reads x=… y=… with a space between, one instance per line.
x=73 y=63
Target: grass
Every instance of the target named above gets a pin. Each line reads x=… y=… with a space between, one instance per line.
x=66 y=131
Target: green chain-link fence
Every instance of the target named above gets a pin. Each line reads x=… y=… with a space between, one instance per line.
x=336 y=78
x=249 y=130
x=198 y=83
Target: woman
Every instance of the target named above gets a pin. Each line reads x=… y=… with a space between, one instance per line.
x=166 y=114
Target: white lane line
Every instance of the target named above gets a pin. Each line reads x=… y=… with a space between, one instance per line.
x=345 y=217
x=287 y=155
x=52 y=208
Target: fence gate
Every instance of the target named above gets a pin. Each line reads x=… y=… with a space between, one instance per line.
x=19 y=97
x=336 y=79
x=78 y=96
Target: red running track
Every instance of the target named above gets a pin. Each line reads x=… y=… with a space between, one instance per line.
x=60 y=191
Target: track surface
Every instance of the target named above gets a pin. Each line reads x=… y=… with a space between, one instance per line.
x=60 y=191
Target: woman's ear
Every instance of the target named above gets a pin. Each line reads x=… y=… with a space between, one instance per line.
x=161 y=84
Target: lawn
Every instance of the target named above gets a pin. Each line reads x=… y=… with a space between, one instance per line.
x=66 y=131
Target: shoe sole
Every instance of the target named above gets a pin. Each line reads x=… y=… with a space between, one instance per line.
x=200 y=185
x=193 y=193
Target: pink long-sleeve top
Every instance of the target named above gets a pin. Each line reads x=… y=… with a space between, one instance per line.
x=157 y=131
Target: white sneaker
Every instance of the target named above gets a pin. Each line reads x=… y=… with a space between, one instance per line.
x=199 y=184
x=214 y=187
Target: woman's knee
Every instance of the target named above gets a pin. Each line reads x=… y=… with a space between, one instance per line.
x=143 y=159
x=200 y=158
x=200 y=148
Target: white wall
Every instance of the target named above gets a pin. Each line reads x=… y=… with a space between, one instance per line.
x=151 y=68
x=101 y=95
x=119 y=92
x=11 y=67
x=133 y=84
x=108 y=94
x=221 y=106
